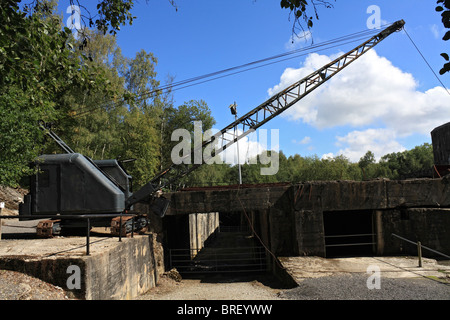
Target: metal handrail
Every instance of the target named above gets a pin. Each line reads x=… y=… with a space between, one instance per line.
x=237 y=259
x=419 y=245
x=350 y=235
x=81 y=216
x=350 y=244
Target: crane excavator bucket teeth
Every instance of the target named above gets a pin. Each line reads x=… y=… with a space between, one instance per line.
x=159 y=206
x=124 y=226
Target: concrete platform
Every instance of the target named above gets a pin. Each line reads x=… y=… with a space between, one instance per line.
x=113 y=270
x=301 y=268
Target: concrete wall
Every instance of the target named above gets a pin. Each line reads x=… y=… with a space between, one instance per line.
x=290 y=218
x=301 y=232
x=430 y=226
x=202 y=226
x=125 y=272
x=122 y=272
x=309 y=233
x=225 y=199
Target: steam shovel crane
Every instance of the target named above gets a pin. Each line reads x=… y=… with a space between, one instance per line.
x=269 y=109
x=72 y=184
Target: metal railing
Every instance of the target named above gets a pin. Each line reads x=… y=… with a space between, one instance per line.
x=350 y=243
x=419 y=248
x=218 y=260
x=88 y=218
x=233 y=228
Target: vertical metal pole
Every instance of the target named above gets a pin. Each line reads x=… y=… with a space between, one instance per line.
x=120 y=228
x=419 y=253
x=237 y=147
x=2 y=205
x=88 y=232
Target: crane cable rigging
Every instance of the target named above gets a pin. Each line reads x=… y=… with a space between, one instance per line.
x=426 y=62
x=343 y=40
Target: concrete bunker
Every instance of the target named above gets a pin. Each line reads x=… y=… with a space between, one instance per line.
x=214 y=243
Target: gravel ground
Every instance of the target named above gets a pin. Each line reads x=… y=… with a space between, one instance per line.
x=215 y=288
x=19 y=286
x=336 y=287
x=354 y=287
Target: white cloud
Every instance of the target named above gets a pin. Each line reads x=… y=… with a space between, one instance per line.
x=305 y=140
x=329 y=156
x=370 y=93
x=379 y=141
x=250 y=146
x=436 y=32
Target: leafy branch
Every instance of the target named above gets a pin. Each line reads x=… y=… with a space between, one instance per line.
x=304 y=14
x=444 y=7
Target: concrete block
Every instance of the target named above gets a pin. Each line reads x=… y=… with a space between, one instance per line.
x=340 y=195
x=120 y=270
x=309 y=233
x=418 y=192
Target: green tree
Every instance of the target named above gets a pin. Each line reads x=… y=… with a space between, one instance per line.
x=110 y=15
x=37 y=68
x=209 y=175
x=125 y=124
x=408 y=163
x=367 y=165
x=183 y=117
x=140 y=141
x=141 y=134
x=92 y=125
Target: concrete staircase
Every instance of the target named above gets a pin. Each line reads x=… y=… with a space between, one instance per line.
x=227 y=252
x=233 y=252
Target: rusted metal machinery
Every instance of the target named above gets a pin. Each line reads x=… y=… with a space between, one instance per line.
x=440 y=137
x=71 y=184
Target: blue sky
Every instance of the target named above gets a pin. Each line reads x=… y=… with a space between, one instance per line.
x=388 y=102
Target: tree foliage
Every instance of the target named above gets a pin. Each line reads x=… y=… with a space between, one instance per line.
x=304 y=13
x=37 y=68
x=107 y=106
x=443 y=6
x=417 y=162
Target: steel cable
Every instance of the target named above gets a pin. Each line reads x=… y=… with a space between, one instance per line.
x=344 y=40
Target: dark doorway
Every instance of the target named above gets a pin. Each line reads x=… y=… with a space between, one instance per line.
x=349 y=233
x=233 y=221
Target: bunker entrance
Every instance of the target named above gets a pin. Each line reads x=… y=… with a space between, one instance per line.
x=349 y=233
x=229 y=248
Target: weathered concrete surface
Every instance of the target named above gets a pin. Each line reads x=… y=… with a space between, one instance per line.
x=309 y=233
x=225 y=199
x=290 y=218
x=428 y=225
x=201 y=227
x=300 y=268
x=369 y=195
x=113 y=270
x=317 y=195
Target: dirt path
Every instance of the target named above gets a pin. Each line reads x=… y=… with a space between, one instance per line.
x=215 y=288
